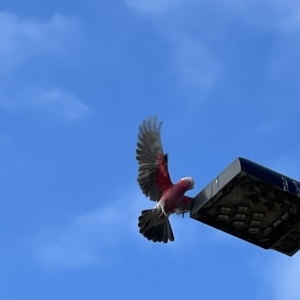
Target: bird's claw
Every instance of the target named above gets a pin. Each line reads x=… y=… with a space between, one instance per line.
x=163 y=213
x=180 y=212
x=161 y=206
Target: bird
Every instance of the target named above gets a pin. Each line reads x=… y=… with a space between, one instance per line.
x=155 y=183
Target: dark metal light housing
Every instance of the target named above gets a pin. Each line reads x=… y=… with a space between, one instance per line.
x=253 y=203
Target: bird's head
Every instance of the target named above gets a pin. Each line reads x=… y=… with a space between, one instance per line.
x=189 y=180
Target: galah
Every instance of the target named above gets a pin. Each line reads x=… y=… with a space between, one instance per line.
x=154 y=181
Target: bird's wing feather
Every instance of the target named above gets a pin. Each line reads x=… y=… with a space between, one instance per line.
x=153 y=174
x=184 y=205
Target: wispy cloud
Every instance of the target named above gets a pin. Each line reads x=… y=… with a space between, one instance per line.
x=195 y=63
x=91 y=238
x=197 y=31
x=157 y=7
x=152 y=7
x=55 y=102
x=287 y=279
x=191 y=57
x=22 y=38
x=87 y=240
x=288 y=14
x=63 y=104
x=271 y=15
x=282 y=278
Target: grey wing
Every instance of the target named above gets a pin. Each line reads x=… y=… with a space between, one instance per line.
x=153 y=174
x=184 y=205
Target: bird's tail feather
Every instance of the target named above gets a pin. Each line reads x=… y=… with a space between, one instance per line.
x=154 y=227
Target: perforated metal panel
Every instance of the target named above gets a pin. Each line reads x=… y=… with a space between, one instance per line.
x=253 y=203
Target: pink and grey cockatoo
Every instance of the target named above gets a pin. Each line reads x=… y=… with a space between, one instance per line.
x=155 y=182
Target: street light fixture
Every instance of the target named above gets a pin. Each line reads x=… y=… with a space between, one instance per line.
x=253 y=203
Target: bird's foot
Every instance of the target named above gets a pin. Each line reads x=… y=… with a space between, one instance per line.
x=180 y=212
x=161 y=205
x=163 y=213
x=163 y=210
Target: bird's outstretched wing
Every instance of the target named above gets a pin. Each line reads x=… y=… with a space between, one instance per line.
x=184 y=205
x=153 y=174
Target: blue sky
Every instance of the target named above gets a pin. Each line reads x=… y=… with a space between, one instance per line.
x=77 y=78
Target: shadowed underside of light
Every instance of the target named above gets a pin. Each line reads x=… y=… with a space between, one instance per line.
x=253 y=203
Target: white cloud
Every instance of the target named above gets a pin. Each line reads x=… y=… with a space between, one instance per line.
x=63 y=104
x=268 y=15
x=282 y=278
x=197 y=29
x=160 y=7
x=196 y=64
x=53 y=101
x=288 y=14
x=288 y=273
x=20 y=39
x=191 y=57
x=153 y=6
x=91 y=238
x=95 y=238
